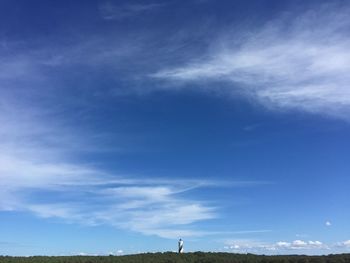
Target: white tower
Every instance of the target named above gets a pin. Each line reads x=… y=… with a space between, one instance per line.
x=181 y=246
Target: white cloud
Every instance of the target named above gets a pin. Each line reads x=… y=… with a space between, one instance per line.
x=283 y=244
x=328 y=223
x=256 y=246
x=80 y=193
x=36 y=159
x=344 y=244
x=300 y=62
x=301 y=244
x=150 y=211
x=30 y=167
x=241 y=243
x=298 y=243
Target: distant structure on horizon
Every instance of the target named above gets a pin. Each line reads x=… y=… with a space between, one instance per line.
x=181 y=246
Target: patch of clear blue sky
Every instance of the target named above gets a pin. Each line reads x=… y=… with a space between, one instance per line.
x=296 y=161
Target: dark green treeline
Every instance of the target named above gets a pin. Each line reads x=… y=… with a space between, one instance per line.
x=168 y=257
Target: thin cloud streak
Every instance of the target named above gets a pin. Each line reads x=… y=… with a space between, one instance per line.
x=298 y=63
x=110 y=11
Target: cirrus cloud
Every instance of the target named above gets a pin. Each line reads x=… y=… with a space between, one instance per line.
x=300 y=62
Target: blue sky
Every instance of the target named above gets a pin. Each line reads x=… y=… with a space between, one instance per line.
x=126 y=125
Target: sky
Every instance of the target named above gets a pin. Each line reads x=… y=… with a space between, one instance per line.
x=126 y=125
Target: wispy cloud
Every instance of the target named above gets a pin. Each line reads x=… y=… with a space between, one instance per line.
x=39 y=151
x=83 y=194
x=293 y=62
x=112 y=11
x=34 y=164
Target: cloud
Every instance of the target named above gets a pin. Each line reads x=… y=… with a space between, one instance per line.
x=344 y=244
x=299 y=62
x=38 y=157
x=111 y=11
x=290 y=63
x=255 y=246
x=40 y=152
x=328 y=223
x=34 y=164
x=84 y=198
x=300 y=244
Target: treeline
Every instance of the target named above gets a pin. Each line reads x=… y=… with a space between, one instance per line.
x=169 y=257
